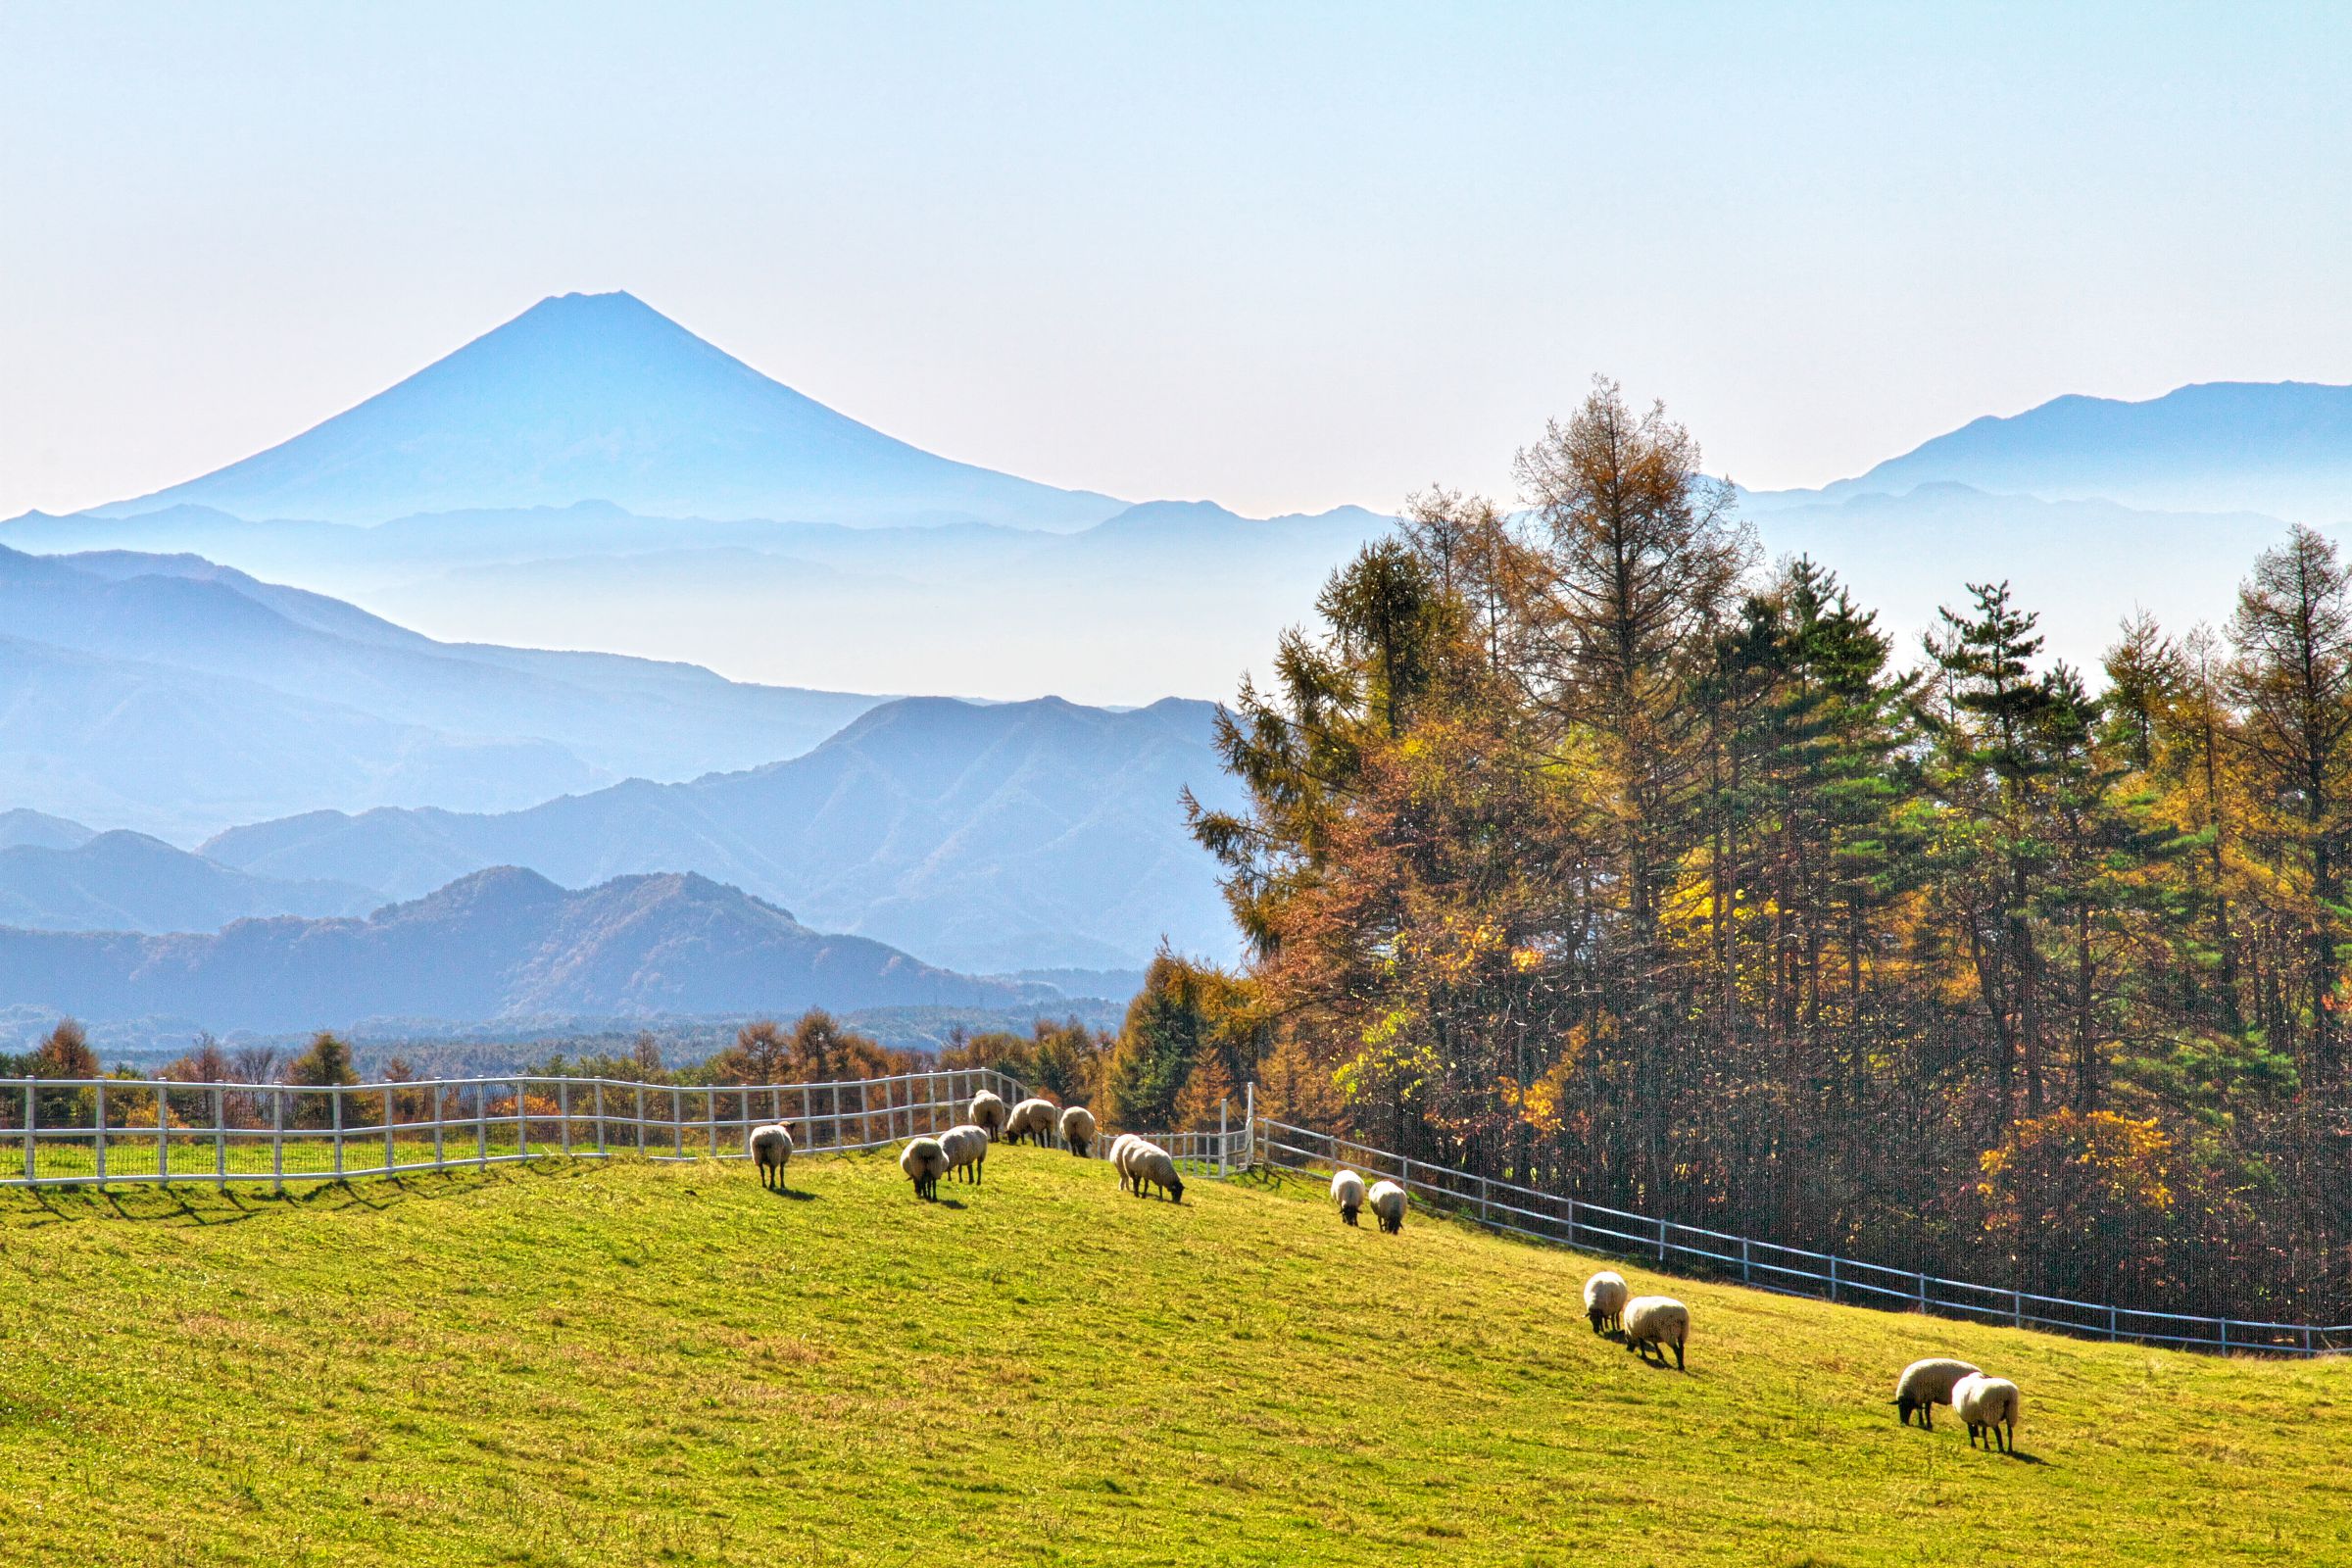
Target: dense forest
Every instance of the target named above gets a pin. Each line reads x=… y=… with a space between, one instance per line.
x=1587 y=848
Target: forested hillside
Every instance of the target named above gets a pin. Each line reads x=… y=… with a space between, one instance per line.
x=1585 y=844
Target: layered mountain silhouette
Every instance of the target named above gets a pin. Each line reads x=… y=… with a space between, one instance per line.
x=123 y=881
x=598 y=396
x=502 y=943
x=170 y=695
x=995 y=838
x=2280 y=448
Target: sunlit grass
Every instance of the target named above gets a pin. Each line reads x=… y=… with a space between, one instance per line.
x=572 y=1364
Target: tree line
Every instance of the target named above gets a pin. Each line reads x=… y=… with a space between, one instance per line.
x=1584 y=848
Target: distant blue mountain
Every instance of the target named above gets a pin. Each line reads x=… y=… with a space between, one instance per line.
x=597 y=397
x=129 y=882
x=990 y=837
x=2282 y=448
x=500 y=944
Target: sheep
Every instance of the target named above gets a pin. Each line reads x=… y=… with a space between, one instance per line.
x=1347 y=1191
x=1923 y=1385
x=1120 y=1146
x=924 y=1161
x=1388 y=1205
x=966 y=1148
x=769 y=1148
x=1078 y=1130
x=1605 y=1295
x=1032 y=1120
x=1148 y=1162
x=989 y=1113
x=1987 y=1404
x=1654 y=1322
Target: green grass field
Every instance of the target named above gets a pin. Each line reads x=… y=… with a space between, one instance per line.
x=575 y=1364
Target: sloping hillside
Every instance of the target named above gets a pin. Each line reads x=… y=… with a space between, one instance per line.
x=502 y=943
x=570 y=1367
x=1021 y=835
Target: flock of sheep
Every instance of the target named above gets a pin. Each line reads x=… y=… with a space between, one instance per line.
x=1652 y=1325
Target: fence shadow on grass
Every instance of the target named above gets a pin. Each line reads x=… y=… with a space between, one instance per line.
x=197 y=1203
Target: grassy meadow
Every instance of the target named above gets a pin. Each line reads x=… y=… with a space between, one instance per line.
x=662 y=1364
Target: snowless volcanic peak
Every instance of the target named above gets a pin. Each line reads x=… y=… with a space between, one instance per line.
x=599 y=397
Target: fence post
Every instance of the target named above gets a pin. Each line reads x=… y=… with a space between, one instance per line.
x=711 y=1105
x=221 y=1136
x=1745 y=1274
x=101 y=1129
x=335 y=1100
x=1220 y=1137
x=641 y=1119
x=391 y=1115
x=440 y=1125
x=278 y=1138
x=866 y=1125
x=1832 y=1277
x=1923 y=1291
x=481 y=1125
x=1249 y=1121
x=1661 y=1237
x=31 y=1173
x=2111 y=1320
x=2016 y=1307
x=2224 y=1323
x=1572 y=1220
x=600 y=1116
x=163 y=1132
x=563 y=1112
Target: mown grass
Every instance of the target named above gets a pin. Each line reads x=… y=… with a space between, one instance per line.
x=571 y=1364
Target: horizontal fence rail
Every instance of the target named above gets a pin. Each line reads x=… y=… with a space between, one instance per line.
x=1768 y=1265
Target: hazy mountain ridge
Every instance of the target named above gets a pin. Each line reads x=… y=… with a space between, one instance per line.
x=502 y=943
x=2282 y=448
x=1023 y=835
x=123 y=881
x=175 y=696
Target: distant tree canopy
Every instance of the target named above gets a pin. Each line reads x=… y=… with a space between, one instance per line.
x=818 y=1048
x=1582 y=849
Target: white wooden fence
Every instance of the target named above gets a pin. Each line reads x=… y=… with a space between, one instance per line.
x=1768 y=1265
x=121 y=1131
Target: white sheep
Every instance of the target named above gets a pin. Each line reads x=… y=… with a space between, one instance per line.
x=1924 y=1385
x=924 y=1161
x=989 y=1113
x=769 y=1148
x=1987 y=1404
x=1347 y=1191
x=1119 y=1148
x=1605 y=1295
x=1148 y=1162
x=1078 y=1130
x=966 y=1148
x=1653 y=1323
x=1032 y=1120
x=1388 y=1205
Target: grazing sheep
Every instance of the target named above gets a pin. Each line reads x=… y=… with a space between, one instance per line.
x=989 y=1113
x=966 y=1148
x=1605 y=1295
x=1923 y=1385
x=1347 y=1191
x=1654 y=1322
x=1119 y=1148
x=1388 y=1205
x=1148 y=1162
x=1032 y=1121
x=1078 y=1130
x=770 y=1147
x=924 y=1162
x=1987 y=1404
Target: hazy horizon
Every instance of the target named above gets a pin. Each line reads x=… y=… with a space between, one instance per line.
x=1285 y=262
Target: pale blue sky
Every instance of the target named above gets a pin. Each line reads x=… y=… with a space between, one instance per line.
x=1285 y=257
